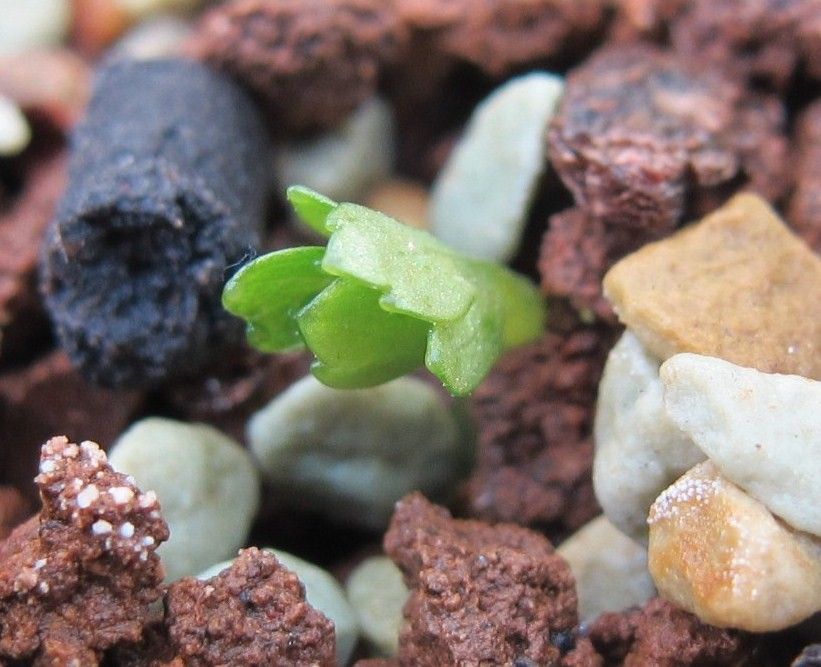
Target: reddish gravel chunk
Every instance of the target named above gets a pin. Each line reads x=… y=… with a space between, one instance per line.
x=805 y=206
x=639 y=133
x=253 y=613
x=480 y=594
x=500 y=35
x=534 y=416
x=21 y=231
x=47 y=397
x=662 y=635
x=79 y=577
x=312 y=62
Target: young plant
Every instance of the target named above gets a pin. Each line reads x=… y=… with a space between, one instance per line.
x=382 y=299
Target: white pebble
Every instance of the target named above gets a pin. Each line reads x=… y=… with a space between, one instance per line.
x=207 y=486
x=481 y=199
x=344 y=163
x=26 y=25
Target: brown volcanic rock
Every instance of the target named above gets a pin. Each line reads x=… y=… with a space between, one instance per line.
x=253 y=613
x=480 y=594
x=311 y=62
x=640 y=132
x=804 y=212
x=21 y=231
x=534 y=416
x=498 y=36
x=47 y=397
x=79 y=577
x=662 y=635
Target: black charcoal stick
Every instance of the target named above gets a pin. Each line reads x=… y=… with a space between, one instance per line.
x=168 y=179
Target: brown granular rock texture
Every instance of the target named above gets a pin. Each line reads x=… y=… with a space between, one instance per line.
x=311 y=62
x=79 y=577
x=534 y=417
x=21 y=231
x=480 y=594
x=253 y=613
x=14 y=509
x=662 y=635
x=804 y=212
x=640 y=134
x=576 y=252
x=498 y=36
x=48 y=396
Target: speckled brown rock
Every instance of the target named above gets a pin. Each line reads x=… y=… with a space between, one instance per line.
x=311 y=62
x=534 y=416
x=641 y=133
x=252 y=613
x=14 y=509
x=804 y=211
x=79 y=577
x=661 y=635
x=480 y=594
x=575 y=253
x=22 y=318
x=500 y=35
x=48 y=396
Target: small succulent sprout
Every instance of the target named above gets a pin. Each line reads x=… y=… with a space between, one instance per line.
x=382 y=299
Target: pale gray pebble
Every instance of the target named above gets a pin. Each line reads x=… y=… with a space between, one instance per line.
x=481 y=199
x=15 y=132
x=639 y=450
x=377 y=593
x=610 y=569
x=322 y=592
x=351 y=454
x=345 y=163
x=206 y=483
x=761 y=430
x=156 y=38
x=26 y=25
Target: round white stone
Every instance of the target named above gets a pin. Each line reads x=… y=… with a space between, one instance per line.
x=206 y=483
x=377 y=593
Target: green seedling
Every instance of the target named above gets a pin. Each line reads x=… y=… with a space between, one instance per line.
x=382 y=299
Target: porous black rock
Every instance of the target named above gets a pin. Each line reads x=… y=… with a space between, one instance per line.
x=167 y=185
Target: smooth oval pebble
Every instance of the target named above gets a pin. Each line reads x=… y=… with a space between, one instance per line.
x=26 y=25
x=344 y=163
x=15 y=132
x=721 y=555
x=639 y=450
x=610 y=569
x=480 y=201
x=377 y=593
x=351 y=454
x=206 y=483
x=322 y=592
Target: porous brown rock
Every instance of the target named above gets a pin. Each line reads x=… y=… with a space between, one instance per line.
x=22 y=318
x=311 y=62
x=804 y=212
x=534 y=416
x=252 y=613
x=41 y=399
x=641 y=132
x=662 y=635
x=499 y=35
x=79 y=577
x=480 y=594
x=14 y=509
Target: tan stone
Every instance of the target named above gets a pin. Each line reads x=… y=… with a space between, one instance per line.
x=738 y=285
x=721 y=555
x=402 y=200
